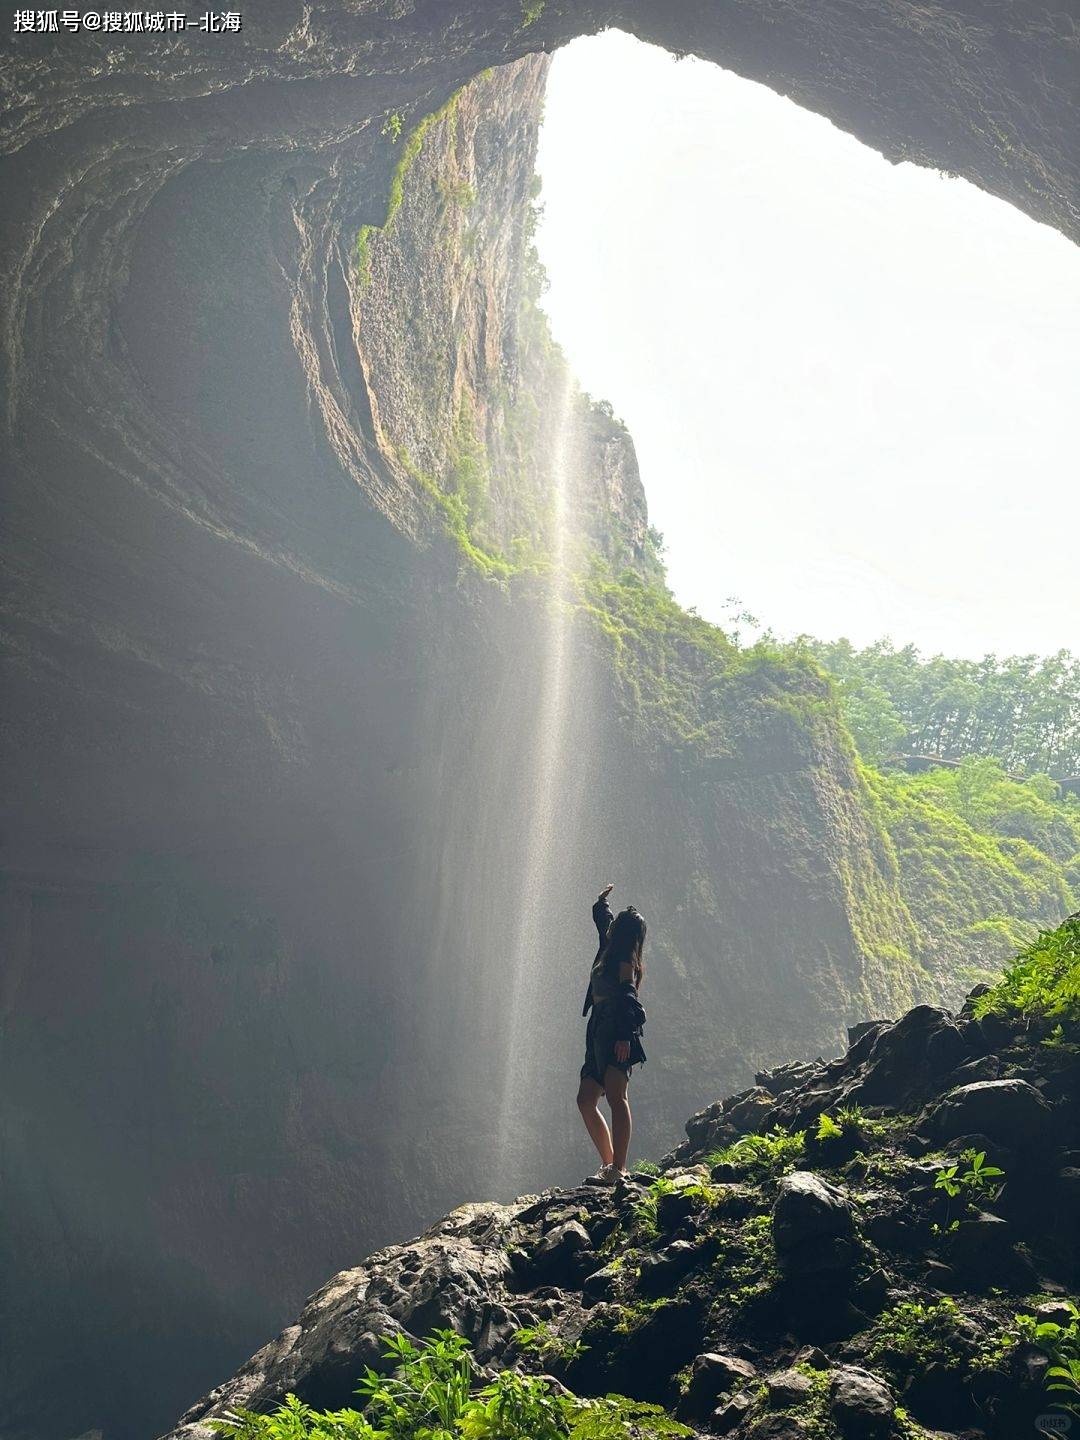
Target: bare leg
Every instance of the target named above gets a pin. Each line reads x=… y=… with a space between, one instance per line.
x=615 y=1083
x=588 y=1099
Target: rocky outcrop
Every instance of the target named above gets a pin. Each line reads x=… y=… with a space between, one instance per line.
x=270 y=761
x=823 y=1291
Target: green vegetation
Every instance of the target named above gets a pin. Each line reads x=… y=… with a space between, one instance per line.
x=911 y=1336
x=978 y=1181
x=541 y=1341
x=762 y=1156
x=1020 y=710
x=983 y=860
x=828 y=1129
x=432 y=1395
x=749 y=1264
x=1061 y=1344
x=1044 y=980
x=392 y=128
x=454 y=509
x=531 y=10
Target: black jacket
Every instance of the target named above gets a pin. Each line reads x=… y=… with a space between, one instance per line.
x=629 y=1012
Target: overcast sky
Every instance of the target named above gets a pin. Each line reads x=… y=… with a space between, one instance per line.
x=854 y=387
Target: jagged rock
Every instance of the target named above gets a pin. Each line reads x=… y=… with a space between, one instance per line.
x=778 y=1427
x=869 y=1295
x=1008 y=1112
x=677 y=1204
x=564 y=1254
x=710 y=1377
x=981 y=1243
x=749 y=1110
x=812 y=1225
x=783 y=1078
x=864 y=1027
x=787 y=1387
x=661 y=1272
x=705 y=1128
x=725 y=1417
x=986 y=1067
x=601 y=1284
x=861 y=1404
x=642 y=1319
x=812 y=1356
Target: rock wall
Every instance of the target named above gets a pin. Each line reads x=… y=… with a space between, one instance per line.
x=271 y=758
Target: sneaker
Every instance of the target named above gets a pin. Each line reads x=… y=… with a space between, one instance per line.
x=606 y=1175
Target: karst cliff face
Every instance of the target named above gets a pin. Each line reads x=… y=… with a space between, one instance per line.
x=286 y=945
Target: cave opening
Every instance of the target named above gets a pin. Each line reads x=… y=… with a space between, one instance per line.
x=835 y=368
x=308 y=771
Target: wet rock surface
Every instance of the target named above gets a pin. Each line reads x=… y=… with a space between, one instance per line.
x=853 y=1300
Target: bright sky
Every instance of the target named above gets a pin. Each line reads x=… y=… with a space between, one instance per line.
x=854 y=387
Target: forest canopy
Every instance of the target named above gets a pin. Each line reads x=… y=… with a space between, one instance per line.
x=1023 y=710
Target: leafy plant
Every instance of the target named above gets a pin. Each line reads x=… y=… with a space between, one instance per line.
x=922 y=1334
x=392 y=125
x=543 y=1342
x=764 y=1155
x=427 y=1392
x=1044 y=980
x=531 y=10
x=430 y=1397
x=293 y=1420
x=514 y=1407
x=1061 y=1344
x=979 y=1180
x=617 y=1418
x=827 y=1128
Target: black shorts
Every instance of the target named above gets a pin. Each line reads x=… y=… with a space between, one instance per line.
x=600 y=1040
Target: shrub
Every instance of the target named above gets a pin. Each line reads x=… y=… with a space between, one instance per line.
x=1043 y=981
x=430 y=1396
x=773 y=1154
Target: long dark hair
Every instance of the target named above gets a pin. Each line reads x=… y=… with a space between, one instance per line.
x=626 y=942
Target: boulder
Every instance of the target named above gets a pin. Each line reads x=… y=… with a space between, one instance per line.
x=564 y=1255
x=1008 y=1112
x=706 y=1128
x=711 y=1376
x=786 y=1077
x=864 y=1027
x=779 y=1426
x=813 y=1356
x=749 y=1110
x=813 y=1229
x=725 y=1417
x=861 y=1404
x=981 y=1242
x=661 y=1272
x=601 y=1285
x=787 y=1388
x=908 y=1058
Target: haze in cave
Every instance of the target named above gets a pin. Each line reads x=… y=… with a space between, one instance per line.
x=344 y=667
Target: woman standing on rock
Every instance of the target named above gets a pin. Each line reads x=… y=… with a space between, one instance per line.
x=613 y=1038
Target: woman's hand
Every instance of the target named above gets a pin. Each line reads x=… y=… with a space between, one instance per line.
x=606 y=891
x=622 y=1051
